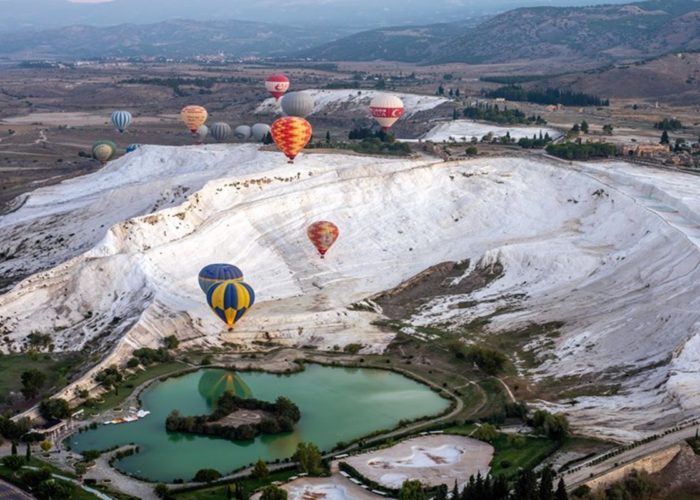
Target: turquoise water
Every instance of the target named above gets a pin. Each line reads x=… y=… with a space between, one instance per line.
x=337 y=404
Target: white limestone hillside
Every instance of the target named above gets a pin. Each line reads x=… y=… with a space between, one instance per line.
x=610 y=250
x=464 y=130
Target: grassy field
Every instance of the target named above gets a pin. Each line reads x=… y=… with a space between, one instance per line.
x=249 y=487
x=514 y=452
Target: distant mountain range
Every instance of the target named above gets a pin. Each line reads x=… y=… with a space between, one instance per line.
x=598 y=34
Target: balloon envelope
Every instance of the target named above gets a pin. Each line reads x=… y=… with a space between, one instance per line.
x=193 y=117
x=322 y=234
x=297 y=104
x=121 y=120
x=103 y=151
x=213 y=274
x=220 y=131
x=260 y=130
x=291 y=134
x=277 y=85
x=386 y=109
x=230 y=300
x=242 y=132
x=214 y=383
x=201 y=133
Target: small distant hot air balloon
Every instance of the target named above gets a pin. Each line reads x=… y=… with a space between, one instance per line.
x=277 y=85
x=297 y=104
x=386 y=109
x=291 y=134
x=121 y=120
x=201 y=133
x=193 y=117
x=132 y=147
x=213 y=274
x=322 y=234
x=103 y=151
x=242 y=132
x=220 y=131
x=230 y=300
x=260 y=130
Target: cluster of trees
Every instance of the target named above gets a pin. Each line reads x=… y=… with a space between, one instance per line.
x=637 y=485
x=536 y=142
x=33 y=381
x=451 y=92
x=582 y=127
x=109 y=377
x=360 y=133
x=547 y=96
x=40 y=482
x=668 y=124
x=494 y=114
x=280 y=417
x=555 y=426
x=147 y=356
x=488 y=360
x=309 y=459
x=529 y=486
x=574 y=151
x=54 y=408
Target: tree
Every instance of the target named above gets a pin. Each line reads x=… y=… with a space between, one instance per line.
x=608 y=129
x=412 y=490
x=440 y=90
x=576 y=128
x=456 y=92
x=32 y=382
x=547 y=484
x=328 y=136
x=171 y=342
x=526 y=486
x=46 y=445
x=13 y=462
x=13 y=449
x=28 y=453
x=486 y=432
x=471 y=151
x=584 y=126
x=455 y=115
x=80 y=468
x=664 y=138
x=561 y=493
x=308 y=456
x=161 y=490
x=272 y=492
x=260 y=471
x=54 y=408
x=206 y=475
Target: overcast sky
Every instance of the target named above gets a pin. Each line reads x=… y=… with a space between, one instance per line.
x=18 y=14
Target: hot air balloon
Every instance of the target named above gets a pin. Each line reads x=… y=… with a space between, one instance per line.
x=103 y=151
x=217 y=273
x=277 y=85
x=194 y=117
x=297 y=104
x=220 y=131
x=291 y=134
x=386 y=109
x=260 y=130
x=230 y=300
x=201 y=133
x=242 y=132
x=121 y=120
x=322 y=234
x=214 y=383
x=132 y=147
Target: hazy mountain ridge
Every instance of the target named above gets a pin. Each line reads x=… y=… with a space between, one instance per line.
x=595 y=34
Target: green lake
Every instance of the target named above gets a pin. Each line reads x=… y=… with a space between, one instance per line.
x=337 y=404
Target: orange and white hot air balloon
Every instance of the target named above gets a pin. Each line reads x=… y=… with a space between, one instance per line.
x=194 y=117
x=322 y=234
x=386 y=109
x=291 y=134
x=277 y=85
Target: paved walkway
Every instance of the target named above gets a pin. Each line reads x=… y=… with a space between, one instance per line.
x=10 y=492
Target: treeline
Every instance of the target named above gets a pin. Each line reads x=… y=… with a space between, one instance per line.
x=536 y=142
x=176 y=82
x=668 y=124
x=371 y=142
x=280 y=417
x=547 y=96
x=513 y=79
x=575 y=151
x=494 y=114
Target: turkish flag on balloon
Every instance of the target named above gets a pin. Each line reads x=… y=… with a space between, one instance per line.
x=386 y=109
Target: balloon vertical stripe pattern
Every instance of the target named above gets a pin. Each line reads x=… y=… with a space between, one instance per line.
x=230 y=300
x=291 y=134
x=121 y=120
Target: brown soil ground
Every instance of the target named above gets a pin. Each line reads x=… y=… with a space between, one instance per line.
x=680 y=480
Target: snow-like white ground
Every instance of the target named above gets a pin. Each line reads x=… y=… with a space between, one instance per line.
x=326 y=101
x=434 y=460
x=609 y=249
x=464 y=130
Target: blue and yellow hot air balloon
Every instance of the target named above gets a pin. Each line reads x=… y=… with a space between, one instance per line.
x=230 y=300
x=217 y=273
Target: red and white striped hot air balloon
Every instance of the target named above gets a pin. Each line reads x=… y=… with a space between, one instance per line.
x=277 y=85
x=386 y=109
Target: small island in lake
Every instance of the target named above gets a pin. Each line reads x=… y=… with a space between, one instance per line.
x=237 y=418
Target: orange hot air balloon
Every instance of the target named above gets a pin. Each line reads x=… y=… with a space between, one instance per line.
x=194 y=117
x=291 y=134
x=322 y=234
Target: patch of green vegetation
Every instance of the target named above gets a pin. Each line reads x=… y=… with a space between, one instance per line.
x=249 y=486
x=390 y=324
x=461 y=429
x=590 y=390
x=515 y=452
x=18 y=479
x=496 y=399
x=694 y=443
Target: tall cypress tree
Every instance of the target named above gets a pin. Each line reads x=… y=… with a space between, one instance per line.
x=561 y=493
x=547 y=484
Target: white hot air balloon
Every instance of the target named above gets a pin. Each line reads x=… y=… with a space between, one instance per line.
x=386 y=109
x=260 y=130
x=242 y=132
x=299 y=104
x=201 y=133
